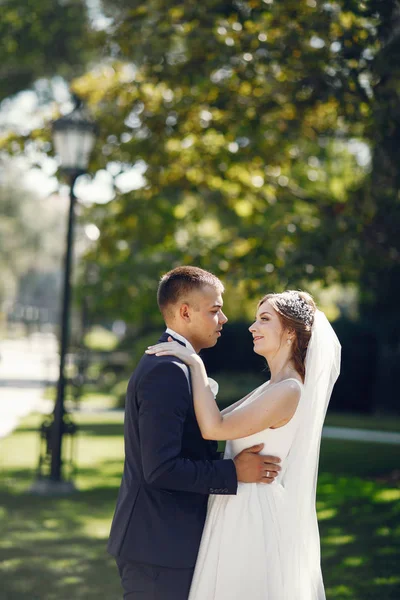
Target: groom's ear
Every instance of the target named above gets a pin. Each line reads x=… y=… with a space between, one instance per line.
x=184 y=312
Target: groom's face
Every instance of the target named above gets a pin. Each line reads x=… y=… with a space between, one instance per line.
x=205 y=317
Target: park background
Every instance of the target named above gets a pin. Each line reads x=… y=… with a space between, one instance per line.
x=256 y=139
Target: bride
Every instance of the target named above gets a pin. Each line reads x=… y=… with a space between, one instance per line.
x=263 y=543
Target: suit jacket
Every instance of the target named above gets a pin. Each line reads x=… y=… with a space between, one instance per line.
x=169 y=469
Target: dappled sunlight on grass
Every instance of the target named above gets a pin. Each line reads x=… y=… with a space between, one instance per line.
x=329 y=513
x=359 y=542
x=338 y=540
x=57 y=545
x=388 y=581
x=340 y=592
x=97 y=528
x=354 y=561
x=386 y=496
x=55 y=548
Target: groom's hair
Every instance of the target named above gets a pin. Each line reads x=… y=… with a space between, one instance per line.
x=175 y=284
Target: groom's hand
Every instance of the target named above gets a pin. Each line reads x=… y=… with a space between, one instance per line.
x=252 y=467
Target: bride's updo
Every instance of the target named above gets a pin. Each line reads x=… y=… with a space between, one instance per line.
x=296 y=311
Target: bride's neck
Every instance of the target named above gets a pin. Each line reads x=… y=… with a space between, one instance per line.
x=281 y=367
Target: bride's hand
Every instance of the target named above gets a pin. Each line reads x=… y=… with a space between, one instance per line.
x=172 y=348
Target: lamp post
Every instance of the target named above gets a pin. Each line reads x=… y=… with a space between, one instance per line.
x=73 y=137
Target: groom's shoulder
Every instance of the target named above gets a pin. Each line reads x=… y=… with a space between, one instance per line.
x=161 y=367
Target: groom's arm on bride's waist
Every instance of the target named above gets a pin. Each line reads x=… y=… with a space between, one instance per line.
x=164 y=400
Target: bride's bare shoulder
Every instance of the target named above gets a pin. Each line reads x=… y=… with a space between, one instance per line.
x=297 y=382
x=290 y=383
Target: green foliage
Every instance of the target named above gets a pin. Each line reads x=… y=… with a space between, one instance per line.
x=242 y=114
x=380 y=276
x=252 y=121
x=39 y=38
x=99 y=338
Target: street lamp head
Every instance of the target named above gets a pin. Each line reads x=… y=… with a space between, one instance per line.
x=73 y=137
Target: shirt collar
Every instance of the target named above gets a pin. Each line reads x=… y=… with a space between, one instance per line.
x=180 y=337
x=213 y=384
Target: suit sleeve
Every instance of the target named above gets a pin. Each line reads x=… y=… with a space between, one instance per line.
x=164 y=399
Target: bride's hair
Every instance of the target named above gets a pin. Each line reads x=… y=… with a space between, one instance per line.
x=296 y=311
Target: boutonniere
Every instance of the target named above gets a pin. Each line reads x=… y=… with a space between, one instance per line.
x=213 y=386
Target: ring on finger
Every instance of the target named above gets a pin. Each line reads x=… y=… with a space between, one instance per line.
x=268 y=474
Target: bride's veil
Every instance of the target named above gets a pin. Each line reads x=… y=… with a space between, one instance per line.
x=300 y=471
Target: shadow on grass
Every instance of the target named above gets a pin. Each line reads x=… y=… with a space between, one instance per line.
x=55 y=548
x=360 y=538
x=358 y=512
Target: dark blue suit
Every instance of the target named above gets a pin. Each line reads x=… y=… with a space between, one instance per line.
x=168 y=474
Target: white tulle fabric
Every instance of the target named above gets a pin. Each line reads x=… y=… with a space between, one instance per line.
x=263 y=543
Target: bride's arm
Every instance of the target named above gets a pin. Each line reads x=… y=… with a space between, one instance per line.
x=270 y=408
x=274 y=405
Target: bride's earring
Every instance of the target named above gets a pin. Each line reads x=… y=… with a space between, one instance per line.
x=289 y=342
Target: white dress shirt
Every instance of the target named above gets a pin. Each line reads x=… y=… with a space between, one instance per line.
x=180 y=337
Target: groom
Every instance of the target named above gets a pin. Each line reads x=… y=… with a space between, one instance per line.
x=169 y=468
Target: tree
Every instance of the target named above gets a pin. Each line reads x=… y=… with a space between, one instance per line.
x=39 y=38
x=249 y=119
x=242 y=113
x=380 y=274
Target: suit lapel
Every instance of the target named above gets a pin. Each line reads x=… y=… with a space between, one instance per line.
x=212 y=447
x=164 y=338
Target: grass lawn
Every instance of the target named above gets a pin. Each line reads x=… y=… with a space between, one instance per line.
x=359 y=421
x=54 y=548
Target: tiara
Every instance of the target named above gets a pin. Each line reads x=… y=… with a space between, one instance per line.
x=298 y=308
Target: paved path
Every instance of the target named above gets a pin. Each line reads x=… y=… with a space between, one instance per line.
x=29 y=359
x=19 y=403
x=26 y=365
x=361 y=435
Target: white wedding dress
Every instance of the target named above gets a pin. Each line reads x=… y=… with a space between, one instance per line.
x=242 y=552
x=263 y=543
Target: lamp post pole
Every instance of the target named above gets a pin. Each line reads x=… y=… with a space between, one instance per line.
x=73 y=138
x=59 y=409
